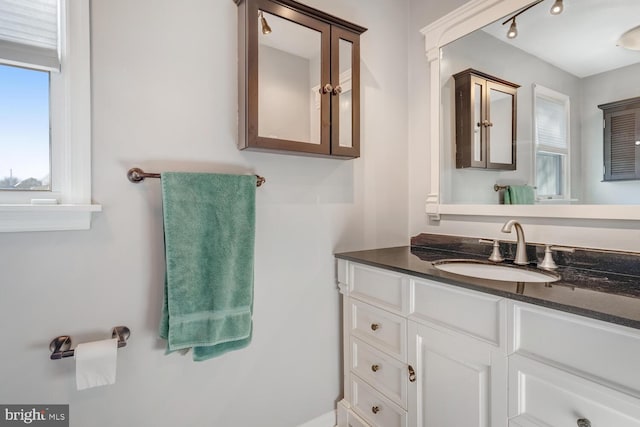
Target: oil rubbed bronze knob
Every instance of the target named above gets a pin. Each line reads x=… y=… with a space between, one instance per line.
x=375 y=409
x=375 y=326
x=583 y=422
x=326 y=89
x=375 y=368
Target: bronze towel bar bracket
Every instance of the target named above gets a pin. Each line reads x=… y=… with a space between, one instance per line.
x=497 y=187
x=60 y=347
x=138 y=175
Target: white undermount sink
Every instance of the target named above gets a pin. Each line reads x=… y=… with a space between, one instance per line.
x=485 y=270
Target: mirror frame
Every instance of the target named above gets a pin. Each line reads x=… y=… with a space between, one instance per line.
x=468 y=18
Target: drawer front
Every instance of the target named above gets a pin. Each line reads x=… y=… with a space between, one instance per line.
x=383 y=288
x=354 y=420
x=383 y=372
x=541 y=395
x=379 y=328
x=604 y=352
x=472 y=313
x=374 y=408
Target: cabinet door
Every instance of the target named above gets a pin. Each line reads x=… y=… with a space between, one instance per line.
x=460 y=381
x=501 y=126
x=345 y=100
x=288 y=67
x=622 y=145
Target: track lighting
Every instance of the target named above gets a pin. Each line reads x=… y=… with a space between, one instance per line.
x=557 y=8
x=266 y=29
x=513 y=30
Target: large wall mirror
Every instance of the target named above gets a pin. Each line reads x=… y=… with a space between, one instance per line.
x=566 y=64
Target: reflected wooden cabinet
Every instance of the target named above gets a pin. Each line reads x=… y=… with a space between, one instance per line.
x=299 y=79
x=485 y=121
x=621 y=139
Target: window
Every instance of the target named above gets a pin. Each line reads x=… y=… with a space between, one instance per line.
x=45 y=128
x=551 y=136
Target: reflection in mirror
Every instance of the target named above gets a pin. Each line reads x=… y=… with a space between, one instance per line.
x=574 y=57
x=288 y=80
x=346 y=109
x=500 y=106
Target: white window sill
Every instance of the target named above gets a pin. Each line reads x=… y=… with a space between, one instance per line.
x=46 y=217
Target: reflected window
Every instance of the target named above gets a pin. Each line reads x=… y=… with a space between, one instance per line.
x=551 y=135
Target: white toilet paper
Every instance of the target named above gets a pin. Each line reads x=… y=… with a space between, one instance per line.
x=96 y=363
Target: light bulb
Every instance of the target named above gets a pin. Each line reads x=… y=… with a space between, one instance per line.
x=557 y=8
x=513 y=30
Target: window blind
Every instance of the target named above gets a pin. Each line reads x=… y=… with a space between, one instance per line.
x=551 y=123
x=29 y=33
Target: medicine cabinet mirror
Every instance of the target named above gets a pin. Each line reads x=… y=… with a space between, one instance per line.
x=299 y=78
x=564 y=64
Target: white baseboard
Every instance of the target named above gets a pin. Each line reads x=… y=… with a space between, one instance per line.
x=326 y=420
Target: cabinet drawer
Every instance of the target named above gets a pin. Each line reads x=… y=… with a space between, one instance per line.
x=376 y=409
x=472 y=313
x=355 y=421
x=541 y=395
x=601 y=351
x=379 y=328
x=383 y=372
x=382 y=288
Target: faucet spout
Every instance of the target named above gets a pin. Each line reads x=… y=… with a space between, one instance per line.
x=521 y=247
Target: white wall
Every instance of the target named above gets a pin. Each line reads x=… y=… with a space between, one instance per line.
x=165 y=98
x=621 y=235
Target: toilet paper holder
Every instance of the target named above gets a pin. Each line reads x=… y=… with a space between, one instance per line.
x=61 y=346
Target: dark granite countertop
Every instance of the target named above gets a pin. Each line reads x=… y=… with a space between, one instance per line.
x=604 y=295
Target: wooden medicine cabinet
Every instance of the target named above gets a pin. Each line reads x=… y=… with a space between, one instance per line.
x=485 y=121
x=299 y=79
x=621 y=139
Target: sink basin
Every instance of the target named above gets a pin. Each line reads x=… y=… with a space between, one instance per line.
x=485 y=270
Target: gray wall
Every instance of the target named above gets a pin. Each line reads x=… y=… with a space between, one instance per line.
x=165 y=98
x=615 y=85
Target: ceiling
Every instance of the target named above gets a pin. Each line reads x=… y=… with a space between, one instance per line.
x=581 y=40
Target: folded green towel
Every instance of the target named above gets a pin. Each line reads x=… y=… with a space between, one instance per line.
x=519 y=195
x=209 y=232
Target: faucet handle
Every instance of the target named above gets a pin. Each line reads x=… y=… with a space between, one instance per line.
x=496 y=255
x=548 y=263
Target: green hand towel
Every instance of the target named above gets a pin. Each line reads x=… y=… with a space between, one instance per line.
x=209 y=231
x=519 y=195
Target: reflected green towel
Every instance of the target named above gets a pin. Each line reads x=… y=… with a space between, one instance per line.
x=519 y=195
x=209 y=232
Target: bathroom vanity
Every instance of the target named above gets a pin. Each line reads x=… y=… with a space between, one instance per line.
x=424 y=347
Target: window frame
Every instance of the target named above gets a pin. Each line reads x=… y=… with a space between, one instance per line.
x=544 y=92
x=70 y=110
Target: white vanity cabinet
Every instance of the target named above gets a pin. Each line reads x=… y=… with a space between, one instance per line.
x=421 y=353
x=567 y=370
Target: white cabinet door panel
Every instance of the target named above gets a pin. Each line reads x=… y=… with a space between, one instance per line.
x=460 y=381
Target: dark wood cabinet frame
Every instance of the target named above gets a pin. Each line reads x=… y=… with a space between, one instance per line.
x=332 y=29
x=465 y=120
x=630 y=134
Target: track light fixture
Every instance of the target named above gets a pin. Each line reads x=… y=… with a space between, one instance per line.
x=513 y=30
x=266 y=29
x=556 y=9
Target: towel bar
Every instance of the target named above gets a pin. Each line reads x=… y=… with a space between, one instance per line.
x=138 y=175
x=61 y=346
x=497 y=187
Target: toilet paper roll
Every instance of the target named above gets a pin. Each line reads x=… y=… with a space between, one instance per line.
x=96 y=363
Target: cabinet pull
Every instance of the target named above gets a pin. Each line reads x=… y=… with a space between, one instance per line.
x=375 y=368
x=412 y=374
x=326 y=89
x=375 y=409
x=336 y=90
x=375 y=326
x=583 y=422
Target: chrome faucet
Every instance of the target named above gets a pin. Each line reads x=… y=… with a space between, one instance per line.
x=521 y=248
